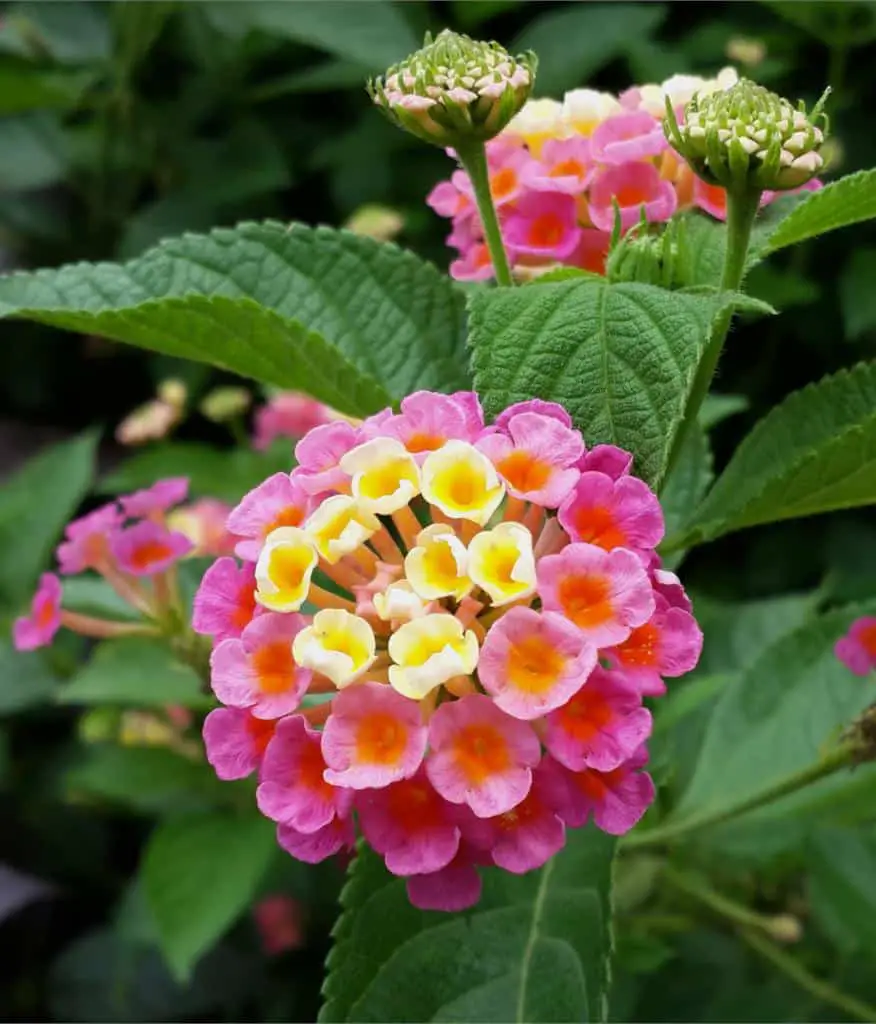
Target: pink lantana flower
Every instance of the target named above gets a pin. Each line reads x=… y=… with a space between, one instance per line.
x=606 y=594
x=608 y=459
x=448 y=201
x=314 y=847
x=601 y=726
x=480 y=756
x=612 y=513
x=474 y=264
x=537 y=405
x=564 y=165
x=292 y=790
x=235 y=741
x=147 y=548
x=454 y=887
x=543 y=224
x=534 y=662
x=287 y=414
x=319 y=453
x=425 y=423
x=86 y=540
x=225 y=602
x=39 y=627
x=257 y=671
x=536 y=457
x=158 y=498
x=627 y=137
x=857 y=649
x=372 y=738
x=591 y=252
x=281 y=500
x=506 y=165
x=635 y=187
x=668 y=644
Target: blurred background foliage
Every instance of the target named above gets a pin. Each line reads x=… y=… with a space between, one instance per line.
x=122 y=123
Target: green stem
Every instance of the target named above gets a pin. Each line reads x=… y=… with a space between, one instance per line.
x=741 y=210
x=817 y=987
x=717 y=902
x=842 y=757
x=473 y=157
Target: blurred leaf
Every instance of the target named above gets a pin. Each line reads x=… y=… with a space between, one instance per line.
x=146 y=779
x=840 y=25
x=849 y=200
x=535 y=948
x=774 y=719
x=717 y=408
x=92 y=595
x=71 y=33
x=24 y=88
x=813 y=453
x=471 y=13
x=857 y=294
x=26 y=680
x=576 y=40
x=136 y=27
x=374 y=34
x=782 y=288
x=17 y=890
x=354 y=322
x=226 y=474
x=135 y=671
x=35 y=504
x=199 y=875
x=323 y=77
x=102 y=977
x=700 y=258
x=619 y=357
x=33 y=152
x=842 y=885
x=685 y=486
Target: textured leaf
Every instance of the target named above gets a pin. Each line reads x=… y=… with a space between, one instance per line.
x=815 y=452
x=576 y=40
x=352 y=321
x=199 y=874
x=35 y=504
x=842 y=885
x=534 y=949
x=847 y=201
x=619 y=357
x=138 y=672
x=685 y=486
x=774 y=718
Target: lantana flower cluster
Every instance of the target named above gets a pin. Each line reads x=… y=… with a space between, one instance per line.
x=857 y=649
x=134 y=543
x=559 y=168
x=444 y=631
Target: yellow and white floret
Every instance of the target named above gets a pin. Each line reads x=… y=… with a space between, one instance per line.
x=337 y=644
x=340 y=526
x=428 y=652
x=399 y=603
x=437 y=566
x=384 y=475
x=501 y=562
x=284 y=569
x=461 y=482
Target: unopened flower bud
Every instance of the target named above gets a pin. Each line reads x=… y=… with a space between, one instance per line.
x=786 y=928
x=748 y=137
x=223 y=404
x=173 y=392
x=750 y=52
x=455 y=89
x=376 y=221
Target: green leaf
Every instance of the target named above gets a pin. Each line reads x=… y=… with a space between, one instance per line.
x=619 y=357
x=577 y=40
x=92 y=595
x=373 y=36
x=773 y=720
x=212 y=472
x=685 y=486
x=849 y=200
x=69 y=33
x=842 y=885
x=24 y=88
x=352 y=321
x=33 y=152
x=857 y=296
x=815 y=452
x=35 y=504
x=136 y=27
x=26 y=680
x=199 y=875
x=717 y=408
x=135 y=671
x=535 y=948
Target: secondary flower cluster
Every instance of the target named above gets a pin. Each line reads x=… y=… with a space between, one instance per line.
x=446 y=630
x=857 y=649
x=134 y=544
x=559 y=169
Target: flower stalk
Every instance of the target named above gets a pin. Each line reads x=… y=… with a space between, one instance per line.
x=473 y=157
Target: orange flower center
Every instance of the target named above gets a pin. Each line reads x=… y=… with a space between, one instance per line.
x=520 y=815
x=632 y=195
x=245 y=607
x=380 y=739
x=45 y=614
x=523 y=472
x=423 y=443
x=597 y=525
x=292 y=515
x=534 y=665
x=150 y=552
x=309 y=769
x=503 y=183
x=274 y=666
x=567 y=167
x=586 y=600
x=640 y=649
x=867 y=637
x=260 y=731
x=481 y=751
x=585 y=715
x=415 y=805
x=545 y=231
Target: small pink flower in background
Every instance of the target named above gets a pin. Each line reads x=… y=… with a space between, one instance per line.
x=627 y=137
x=146 y=548
x=448 y=201
x=280 y=924
x=635 y=187
x=473 y=265
x=711 y=198
x=225 y=601
x=591 y=251
x=543 y=224
x=158 y=498
x=280 y=501
x=506 y=164
x=86 y=540
x=235 y=741
x=565 y=165
x=39 y=628
x=204 y=522
x=857 y=649
x=287 y=414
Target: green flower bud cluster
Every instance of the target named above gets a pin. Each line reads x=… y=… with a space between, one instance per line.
x=455 y=89
x=748 y=137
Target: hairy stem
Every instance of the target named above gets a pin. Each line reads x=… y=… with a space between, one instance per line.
x=473 y=158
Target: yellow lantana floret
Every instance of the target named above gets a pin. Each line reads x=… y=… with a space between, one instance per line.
x=337 y=644
x=538 y=121
x=284 y=568
x=501 y=561
x=339 y=526
x=399 y=603
x=436 y=567
x=428 y=652
x=462 y=482
x=384 y=475
x=584 y=109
